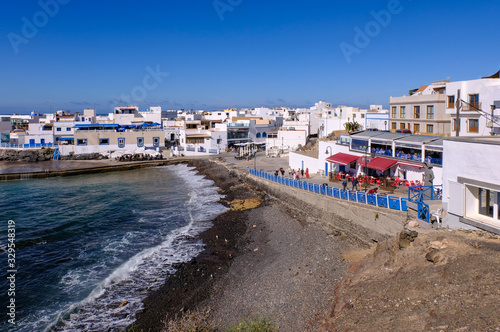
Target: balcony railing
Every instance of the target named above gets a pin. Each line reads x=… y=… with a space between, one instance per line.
x=238 y=125
x=471 y=106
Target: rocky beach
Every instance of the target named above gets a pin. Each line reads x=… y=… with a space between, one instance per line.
x=262 y=259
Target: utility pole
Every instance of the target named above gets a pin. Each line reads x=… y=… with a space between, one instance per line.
x=457 y=125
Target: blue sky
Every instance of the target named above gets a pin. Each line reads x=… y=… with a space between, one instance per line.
x=236 y=53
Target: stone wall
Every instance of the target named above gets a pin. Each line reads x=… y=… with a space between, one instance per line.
x=357 y=222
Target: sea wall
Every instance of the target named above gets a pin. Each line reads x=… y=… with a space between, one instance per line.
x=356 y=222
x=33 y=155
x=30 y=155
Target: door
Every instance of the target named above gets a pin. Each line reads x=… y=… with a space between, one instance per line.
x=32 y=142
x=42 y=141
x=326 y=168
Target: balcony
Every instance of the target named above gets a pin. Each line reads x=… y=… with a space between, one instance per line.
x=471 y=106
x=238 y=125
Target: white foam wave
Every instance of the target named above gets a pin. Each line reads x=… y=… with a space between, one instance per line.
x=147 y=269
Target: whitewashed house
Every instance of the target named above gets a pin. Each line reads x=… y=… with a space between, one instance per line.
x=479 y=113
x=471 y=182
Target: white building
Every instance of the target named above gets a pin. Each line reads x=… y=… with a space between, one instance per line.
x=480 y=106
x=471 y=182
x=283 y=141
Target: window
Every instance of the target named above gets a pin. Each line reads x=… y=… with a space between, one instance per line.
x=195 y=140
x=140 y=141
x=68 y=129
x=416 y=128
x=416 y=112
x=402 y=111
x=474 y=100
x=82 y=141
x=454 y=124
x=264 y=134
x=219 y=140
x=430 y=112
x=394 y=125
x=473 y=125
x=394 y=112
x=156 y=141
x=486 y=202
x=258 y=135
x=430 y=128
x=121 y=142
x=401 y=125
x=103 y=141
x=362 y=116
x=58 y=129
x=451 y=101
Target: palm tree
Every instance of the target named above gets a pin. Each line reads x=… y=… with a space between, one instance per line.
x=352 y=126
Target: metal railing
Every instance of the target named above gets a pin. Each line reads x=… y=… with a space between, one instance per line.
x=390 y=202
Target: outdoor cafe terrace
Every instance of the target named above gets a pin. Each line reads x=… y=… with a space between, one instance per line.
x=418 y=148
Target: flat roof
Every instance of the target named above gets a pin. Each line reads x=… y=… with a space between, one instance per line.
x=418 y=139
x=389 y=136
x=495 y=140
x=308 y=153
x=366 y=134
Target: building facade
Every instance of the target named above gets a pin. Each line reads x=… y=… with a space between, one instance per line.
x=422 y=112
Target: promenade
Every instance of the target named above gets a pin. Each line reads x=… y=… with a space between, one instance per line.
x=269 y=165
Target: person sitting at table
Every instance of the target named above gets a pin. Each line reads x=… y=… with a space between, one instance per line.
x=373 y=191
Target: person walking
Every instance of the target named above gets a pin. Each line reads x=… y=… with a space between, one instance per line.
x=355 y=183
x=344 y=184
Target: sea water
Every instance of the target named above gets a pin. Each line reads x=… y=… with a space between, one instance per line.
x=85 y=244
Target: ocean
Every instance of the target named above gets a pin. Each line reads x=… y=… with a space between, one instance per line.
x=85 y=244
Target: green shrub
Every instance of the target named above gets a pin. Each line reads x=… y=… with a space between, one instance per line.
x=254 y=325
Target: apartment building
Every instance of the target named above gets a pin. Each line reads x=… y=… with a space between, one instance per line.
x=423 y=112
x=479 y=106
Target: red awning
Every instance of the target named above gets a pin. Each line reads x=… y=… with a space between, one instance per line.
x=342 y=158
x=406 y=163
x=380 y=164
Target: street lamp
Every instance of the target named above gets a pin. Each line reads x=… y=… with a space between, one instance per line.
x=331 y=151
x=385 y=125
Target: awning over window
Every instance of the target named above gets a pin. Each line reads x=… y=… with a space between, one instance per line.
x=342 y=158
x=405 y=163
x=380 y=164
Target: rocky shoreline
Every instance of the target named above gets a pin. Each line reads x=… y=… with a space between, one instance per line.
x=261 y=259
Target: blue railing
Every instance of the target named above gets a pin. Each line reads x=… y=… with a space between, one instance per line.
x=390 y=202
x=419 y=194
x=191 y=148
x=201 y=149
x=213 y=151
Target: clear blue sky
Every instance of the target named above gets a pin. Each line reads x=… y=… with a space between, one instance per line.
x=262 y=53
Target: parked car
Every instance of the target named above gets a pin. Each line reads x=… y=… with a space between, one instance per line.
x=403 y=131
